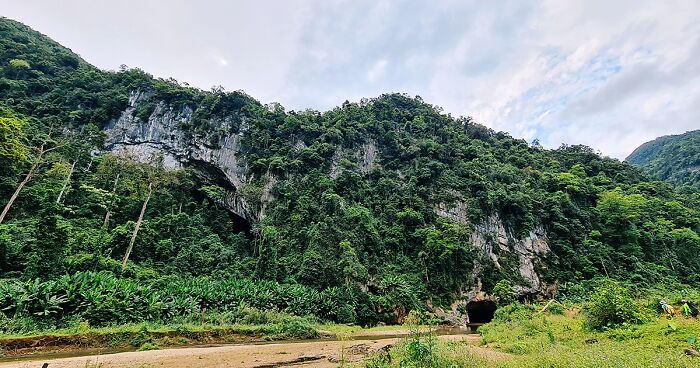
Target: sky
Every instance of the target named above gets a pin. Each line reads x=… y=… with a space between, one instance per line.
x=609 y=74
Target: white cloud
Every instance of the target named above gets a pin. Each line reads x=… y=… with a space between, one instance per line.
x=377 y=70
x=609 y=74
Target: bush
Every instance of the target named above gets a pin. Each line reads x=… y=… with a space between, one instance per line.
x=611 y=306
x=103 y=298
x=504 y=291
x=253 y=316
x=556 y=309
x=513 y=312
x=299 y=328
x=419 y=349
x=149 y=346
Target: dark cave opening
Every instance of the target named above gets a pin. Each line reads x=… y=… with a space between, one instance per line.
x=208 y=174
x=480 y=311
x=240 y=225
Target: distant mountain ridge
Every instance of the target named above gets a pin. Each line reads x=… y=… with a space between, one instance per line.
x=673 y=158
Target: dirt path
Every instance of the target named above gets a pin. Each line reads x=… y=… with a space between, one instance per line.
x=316 y=354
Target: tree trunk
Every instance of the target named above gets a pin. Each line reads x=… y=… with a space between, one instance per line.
x=109 y=209
x=21 y=185
x=138 y=225
x=66 y=182
x=602 y=262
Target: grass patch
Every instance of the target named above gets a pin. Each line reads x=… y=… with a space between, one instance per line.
x=338 y=329
x=149 y=346
x=525 y=338
x=249 y=325
x=561 y=341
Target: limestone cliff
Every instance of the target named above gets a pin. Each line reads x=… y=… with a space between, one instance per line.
x=161 y=135
x=219 y=158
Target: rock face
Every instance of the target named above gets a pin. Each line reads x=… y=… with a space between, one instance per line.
x=217 y=157
x=502 y=248
x=161 y=135
x=367 y=157
x=506 y=252
x=457 y=210
x=498 y=244
x=364 y=157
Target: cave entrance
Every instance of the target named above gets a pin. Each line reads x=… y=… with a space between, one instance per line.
x=209 y=174
x=481 y=311
x=240 y=224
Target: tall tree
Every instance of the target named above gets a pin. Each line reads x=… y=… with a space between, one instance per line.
x=46 y=146
x=138 y=226
x=108 y=213
x=157 y=177
x=79 y=149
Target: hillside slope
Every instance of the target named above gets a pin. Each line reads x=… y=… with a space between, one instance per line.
x=372 y=208
x=674 y=158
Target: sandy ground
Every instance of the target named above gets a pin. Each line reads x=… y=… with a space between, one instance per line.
x=316 y=354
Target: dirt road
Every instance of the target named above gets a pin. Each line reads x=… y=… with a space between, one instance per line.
x=316 y=354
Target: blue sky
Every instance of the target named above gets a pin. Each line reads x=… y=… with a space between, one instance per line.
x=609 y=74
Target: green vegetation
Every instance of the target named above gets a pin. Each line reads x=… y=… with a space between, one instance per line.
x=11 y=137
x=350 y=233
x=611 y=307
x=675 y=158
x=245 y=324
x=100 y=299
x=521 y=336
x=504 y=292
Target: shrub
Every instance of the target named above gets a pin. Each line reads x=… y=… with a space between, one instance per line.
x=253 y=316
x=513 y=312
x=419 y=349
x=149 y=346
x=556 y=309
x=504 y=291
x=103 y=298
x=297 y=327
x=19 y=64
x=611 y=306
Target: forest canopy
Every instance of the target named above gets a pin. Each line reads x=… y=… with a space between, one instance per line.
x=371 y=213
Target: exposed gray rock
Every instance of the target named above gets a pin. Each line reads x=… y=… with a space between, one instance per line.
x=216 y=153
x=299 y=145
x=364 y=157
x=530 y=250
x=266 y=197
x=162 y=135
x=335 y=163
x=367 y=156
x=455 y=316
x=457 y=210
x=452 y=317
x=491 y=234
x=497 y=243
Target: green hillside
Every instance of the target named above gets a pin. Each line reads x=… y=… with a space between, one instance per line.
x=674 y=158
x=357 y=214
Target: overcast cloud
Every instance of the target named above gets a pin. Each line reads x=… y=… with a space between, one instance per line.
x=609 y=74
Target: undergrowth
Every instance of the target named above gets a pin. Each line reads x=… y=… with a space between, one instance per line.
x=246 y=324
x=608 y=329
